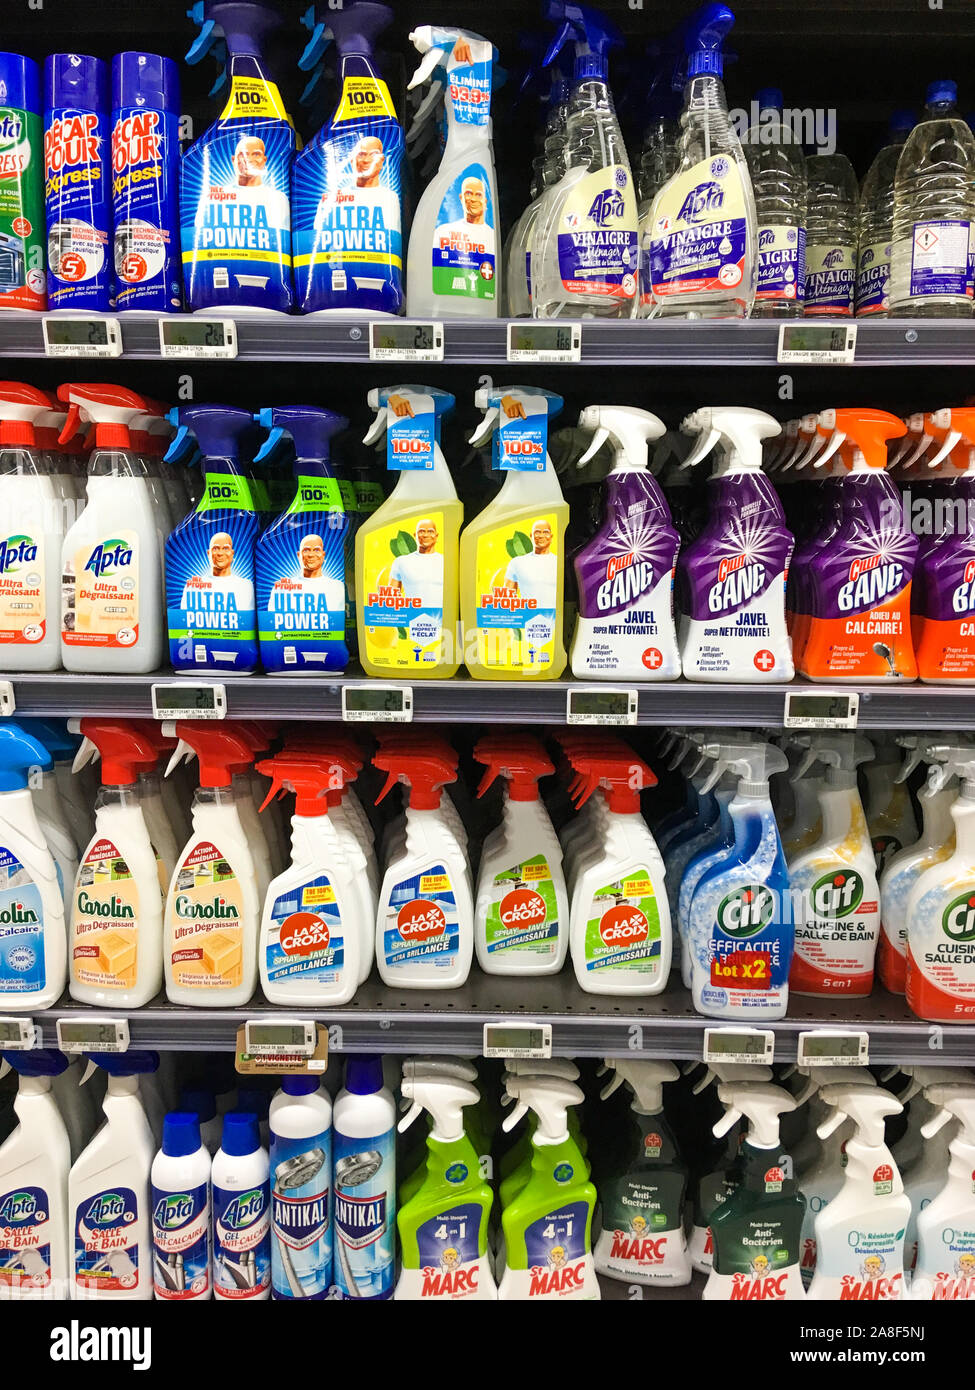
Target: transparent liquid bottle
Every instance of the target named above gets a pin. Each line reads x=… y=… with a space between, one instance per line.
x=877 y=221
x=778 y=169
x=934 y=208
x=832 y=231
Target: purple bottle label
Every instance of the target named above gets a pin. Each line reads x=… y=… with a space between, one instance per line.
x=939 y=258
x=781 y=263
x=830 y=280
x=873 y=279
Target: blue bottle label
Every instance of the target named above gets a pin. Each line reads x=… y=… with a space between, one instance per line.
x=781 y=263
x=106 y=1246
x=469 y=82
x=463 y=255
x=873 y=279
x=21 y=929
x=556 y=1240
x=25 y=1236
x=78 y=209
x=699 y=231
x=145 y=173
x=301 y=1250
x=521 y=439
x=421 y=921
x=306 y=940
x=365 y=1242
x=939 y=258
x=181 y=1242
x=448 y=1250
x=241 y=1241
x=599 y=238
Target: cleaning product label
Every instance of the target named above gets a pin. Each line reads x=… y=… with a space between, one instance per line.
x=643 y=1236
x=241 y=1242
x=873 y=279
x=23 y=595
x=100 y=593
x=78 y=209
x=305 y=941
x=599 y=235
x=23 y=282
x=939 y=259
x=463 y=254
x=421 y=921
x=830 y=280
x=945 y=1270
x=518 y=584
x=864 y=1263
x=741 y=938
x=204 y=922
x=623 y=930
x=235 y=207
x=469 y=81
x=944 y=640
x=781 y=263
x=301 y=1251
x=448 y=1253
x=145 y=165
x=106 y=1242
x=758 y=1264
x=181 y=1242
x=713 y=1189
x=210 y=580
x=347 y=205
x=521 y=439
x=21 y=929
x=402 y=599
x=941 y=952
x=836 y=931
x=556 y=1256
x=522 y=911
x=105 y=920
x=699 y=231
x=411 y=432
x=25 y=1239
x=895 y=891
x=365 y=1233
x=301 y=582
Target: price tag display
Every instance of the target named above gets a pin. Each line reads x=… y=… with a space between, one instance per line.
x=516 y=1039
x=397 y=340
x=189 y=700
x=827 y=1047
x=17 y=1034
x=601 y=706
x=266 y=1045
x=739 y=1045
x=82 y=337
x=533 y=340
x=93 y=1034
x=825 y=709
x=188 y=336
x=380 y=704
x=817 y=344
x=7 y=701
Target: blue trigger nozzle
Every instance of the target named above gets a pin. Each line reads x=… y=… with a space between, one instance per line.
x=204 y=40
x=270 y=444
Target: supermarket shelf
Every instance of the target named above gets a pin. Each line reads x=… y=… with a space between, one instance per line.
x=463 y=700
x=387 y=1020
x=753 y=343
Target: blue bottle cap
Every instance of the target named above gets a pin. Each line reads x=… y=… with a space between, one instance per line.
x=299 y=1085
x=20 y=82
x=145 y=79
x=126 y=1063
x=769 y=99
x=364 y=1075
x=42 y=1061
x=940 y=92
x=181 y=1133
x=76 y=80
x=199 y=1102
x=240 y=1133
x=903 y=119
x=19 y=753
x=254 y=1098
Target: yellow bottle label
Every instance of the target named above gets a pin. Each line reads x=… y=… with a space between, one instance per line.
x=105 y=920
x=364 y=96
x=517 y=594
x=402 y=601
x=254 y=96
x=205 y=922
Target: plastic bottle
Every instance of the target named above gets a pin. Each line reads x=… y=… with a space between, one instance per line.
x=301 y=1196
x=115 y=928
x=34 y=1162
x=512 y=554
x=443 y=1228
x=454 y=263
x=406 y=567
x=235 y=180
x=934 y=208
x=521 y=243
x=586 y=246
x=77 y=188
x=642 y=1239
x=944 y=596
x=108 y=1190
x=625 y=629
x=877 y=221
x=364 y=1153
x=832 y=224
x=110 y=559
x=200 y=1102
x=348 y=180
x=860 y=1234
x=23 y=282
x=241 y=1212
x=778 y=173
x=477 y=1123
x=145 y=182
x=890 y=815
x=181 y=1214
x=702 y=227
x=301 y=557
x=733 y=574
x=213 y=906
x=945 y=1268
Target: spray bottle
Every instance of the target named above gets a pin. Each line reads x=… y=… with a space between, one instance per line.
x=945 y=1268
x=34 y=1163
x=942 y=621
x=512 y=555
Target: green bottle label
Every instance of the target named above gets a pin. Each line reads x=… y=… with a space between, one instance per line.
x=22 y=210
x=523 y=914
x=227 y=492
x=623 y=928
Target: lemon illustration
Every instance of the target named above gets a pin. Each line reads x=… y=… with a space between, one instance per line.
x=382 y=638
